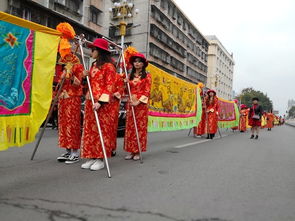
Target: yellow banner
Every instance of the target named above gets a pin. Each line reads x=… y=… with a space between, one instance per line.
x=174 y=103
x=27 y=65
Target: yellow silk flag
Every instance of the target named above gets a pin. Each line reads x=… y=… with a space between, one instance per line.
x=174 y=104
x=27 y=64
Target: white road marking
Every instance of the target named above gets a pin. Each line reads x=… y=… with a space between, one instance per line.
x=198 y=142
x=190 y=144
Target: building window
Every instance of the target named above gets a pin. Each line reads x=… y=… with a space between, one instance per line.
x=164 y=4
x=159 y=53
x=27 y=14
x=73 y=5
x=177 y=64
x=95 y=15
x=166 y=40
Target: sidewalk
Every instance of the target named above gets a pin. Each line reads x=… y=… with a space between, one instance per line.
x=290 y=123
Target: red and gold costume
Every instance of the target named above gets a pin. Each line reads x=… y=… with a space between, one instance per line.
x=270 y=119
x=243 y=120
x=212 y=107
x=201 y=129
x=102 y=80
x=140 y=90
x=119 y=90
x=69 y=103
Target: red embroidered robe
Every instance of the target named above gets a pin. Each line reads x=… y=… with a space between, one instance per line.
x=140 y=90
x=102 y=83
x=69 y=109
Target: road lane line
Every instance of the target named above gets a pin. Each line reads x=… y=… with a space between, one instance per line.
x=190 y=144
x=197 y=142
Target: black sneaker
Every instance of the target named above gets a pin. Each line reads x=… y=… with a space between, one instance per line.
x=63 y=157
x=252 y=137
x=114 y=153
x=72 y=159
x=256 y=137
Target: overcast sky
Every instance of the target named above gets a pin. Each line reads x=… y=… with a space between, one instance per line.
x=260 y=33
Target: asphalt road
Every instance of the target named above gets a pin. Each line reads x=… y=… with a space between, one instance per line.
x=182 y=178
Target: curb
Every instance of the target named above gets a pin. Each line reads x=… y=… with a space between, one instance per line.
x=292 y=125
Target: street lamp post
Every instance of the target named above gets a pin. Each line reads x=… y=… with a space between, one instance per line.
x=123 y=10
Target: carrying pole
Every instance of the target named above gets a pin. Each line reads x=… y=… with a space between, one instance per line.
x=48 y=117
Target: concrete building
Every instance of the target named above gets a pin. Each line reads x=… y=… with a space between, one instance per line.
x=166 y=36
x=220 y=69
x=86 y=16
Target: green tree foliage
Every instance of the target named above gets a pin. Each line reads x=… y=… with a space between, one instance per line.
x=292 y=112
x=248 y=93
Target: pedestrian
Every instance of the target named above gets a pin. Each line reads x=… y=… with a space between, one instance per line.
x=140 y=85
x=102 y=76
x=69 y=108
x=255 y=115
x=212 y=114
x=243 y=118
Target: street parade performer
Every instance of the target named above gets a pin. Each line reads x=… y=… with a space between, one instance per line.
x=243 y=118
x=140 y=86
x=270 y=120
x=212 y=114
x=102 y=76
x=69 y=107
x=255 y=115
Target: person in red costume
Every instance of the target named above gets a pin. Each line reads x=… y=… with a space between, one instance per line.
x=270 y=119
x=212 y=107
x=140 y=85
x=69 y=108
x=102 y=76
x=243 y=118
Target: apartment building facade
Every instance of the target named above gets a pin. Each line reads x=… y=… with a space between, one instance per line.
x=167 y=37
x=86 y=16
x=220 y=69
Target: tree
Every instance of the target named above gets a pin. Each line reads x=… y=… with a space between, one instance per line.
x=292 y=112
x=248 y=93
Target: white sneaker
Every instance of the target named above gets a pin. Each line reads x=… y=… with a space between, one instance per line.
x=136 y=157
x=98 y=165
x=129 y=157
x=88 y=164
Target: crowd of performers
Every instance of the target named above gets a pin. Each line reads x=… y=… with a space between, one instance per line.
x=250 y=117
x=108 y=88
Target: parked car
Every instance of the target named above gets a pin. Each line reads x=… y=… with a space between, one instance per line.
x=122 y=119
